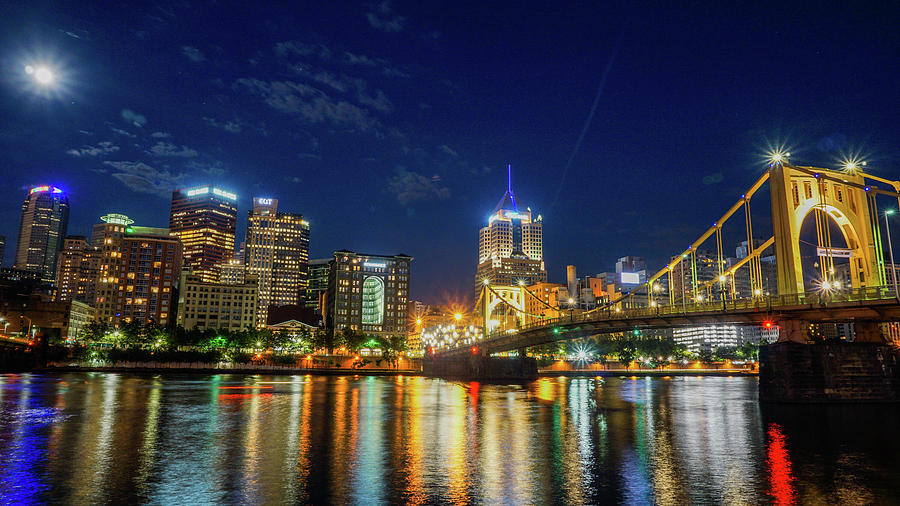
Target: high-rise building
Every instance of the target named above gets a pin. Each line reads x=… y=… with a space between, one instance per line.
x=318 y=283
x=45 y=217
x=368 y=293
x=277 y=249
x=510 y=247
x=2 y=248
x=77 y=267
x=140 y=268
x=204 y=218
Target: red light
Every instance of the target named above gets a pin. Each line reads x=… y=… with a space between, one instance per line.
x=474 y=350
x=768 y=325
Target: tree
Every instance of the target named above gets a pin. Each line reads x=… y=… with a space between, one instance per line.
x=625 y=347
x=96 y=331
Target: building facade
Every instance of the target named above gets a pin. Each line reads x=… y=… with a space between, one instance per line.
x=77 y=268
x=277 y=251
x=45 y=218
x=231 y=306
x=139 y=272
x=204 y=219
x=510 y=247
x=368 y=293
x=317 y=287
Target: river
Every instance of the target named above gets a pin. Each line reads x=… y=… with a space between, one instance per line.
x=166 y=439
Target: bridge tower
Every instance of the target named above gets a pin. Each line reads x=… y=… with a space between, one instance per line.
x=510 y=298
x=840 y=196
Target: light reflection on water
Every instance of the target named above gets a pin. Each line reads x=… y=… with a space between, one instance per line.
x=99 y=438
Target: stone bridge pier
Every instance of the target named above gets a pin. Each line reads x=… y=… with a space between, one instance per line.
x=796 y=370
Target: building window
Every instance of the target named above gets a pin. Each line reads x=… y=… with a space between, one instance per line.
x=373 y=301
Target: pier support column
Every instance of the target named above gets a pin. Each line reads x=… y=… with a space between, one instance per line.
x=829 y=372
x=868 y=332
x=793 y=331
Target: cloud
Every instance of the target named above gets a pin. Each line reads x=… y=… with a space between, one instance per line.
x=713 y=178
x=102 y=148
x=308 y=102
x=447 y=149
x=122 y=132
x=410 y=187
x=143 y=178
x=297 y=48
x=86 y=132
x=138 y=120
x=212 y=169
x=293 y=179
x=384 y=18
x=169 y=149
x=193 y=53
x=234 y=126
x=160 y=135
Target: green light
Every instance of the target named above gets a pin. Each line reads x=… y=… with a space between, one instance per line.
x=129 y=230
x=889 y=212
x=556 y=331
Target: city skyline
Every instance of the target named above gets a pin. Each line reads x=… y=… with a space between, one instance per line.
x=412 y=116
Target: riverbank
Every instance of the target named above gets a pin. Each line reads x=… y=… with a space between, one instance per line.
x=612 y=373
x=201 y=369
x=271 y=370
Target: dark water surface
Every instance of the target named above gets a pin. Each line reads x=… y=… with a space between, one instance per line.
x=170 y=439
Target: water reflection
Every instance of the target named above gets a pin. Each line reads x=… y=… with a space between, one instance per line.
x=94 y=438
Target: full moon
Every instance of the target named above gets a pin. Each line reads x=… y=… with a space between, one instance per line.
x=43 y=75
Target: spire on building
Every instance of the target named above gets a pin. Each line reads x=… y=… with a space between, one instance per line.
x=508 y=202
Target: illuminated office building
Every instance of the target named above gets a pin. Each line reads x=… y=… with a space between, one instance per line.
x=317 y=286
x=45 y=216
x=225 y=305
x=77 y=267
x=510 y=248
x=204 y=219
x=277 y=249
x=368 y=293
x=139 y=270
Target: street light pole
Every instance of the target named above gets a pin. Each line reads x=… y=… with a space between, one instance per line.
x=891 y=252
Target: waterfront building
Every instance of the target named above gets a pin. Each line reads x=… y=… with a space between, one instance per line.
x=317 y=287
x=707 y=337
x=510 y=247
x=80 y=316
x=229 y=306
x=204 y=219
x=368 y=293
x=546 y=301
x=277 y=249
x=77 y=268
x=45 y=217
x=139 y=271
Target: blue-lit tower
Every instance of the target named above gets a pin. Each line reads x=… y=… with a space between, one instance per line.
x=45 y=217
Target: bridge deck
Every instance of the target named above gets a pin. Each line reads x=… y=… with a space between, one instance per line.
x=865 y=304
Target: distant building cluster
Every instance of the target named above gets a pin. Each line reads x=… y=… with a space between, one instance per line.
x=191 y=273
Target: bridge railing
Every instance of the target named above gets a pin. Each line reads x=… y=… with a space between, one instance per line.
x=762 y=303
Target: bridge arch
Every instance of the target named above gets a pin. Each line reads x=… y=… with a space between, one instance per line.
x=798 y=191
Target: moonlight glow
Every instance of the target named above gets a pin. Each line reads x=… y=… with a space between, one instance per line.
x=42 y=75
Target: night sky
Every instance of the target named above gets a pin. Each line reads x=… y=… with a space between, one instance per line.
x=389 y=125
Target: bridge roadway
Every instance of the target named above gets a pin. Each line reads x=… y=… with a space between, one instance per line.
x=876 y=304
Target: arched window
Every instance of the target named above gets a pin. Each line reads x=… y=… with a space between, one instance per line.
x=373 y=301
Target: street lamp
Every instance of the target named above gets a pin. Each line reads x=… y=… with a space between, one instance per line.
x=891 y=252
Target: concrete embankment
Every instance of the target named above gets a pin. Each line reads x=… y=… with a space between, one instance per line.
x=652 y=373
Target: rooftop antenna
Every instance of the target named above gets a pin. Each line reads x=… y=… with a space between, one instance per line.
x=509 y=178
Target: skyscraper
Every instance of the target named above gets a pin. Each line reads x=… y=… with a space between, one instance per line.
x=277 y=250
x=140 y=268
x=45 y=217
x=77 y=268
x=204 y=219
x=510 y=247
